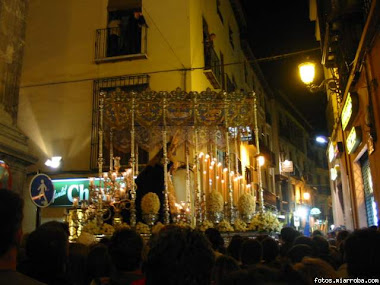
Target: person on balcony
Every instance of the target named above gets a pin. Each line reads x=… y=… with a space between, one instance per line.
x=134 y=29
x=113 y=36
x=208 y=47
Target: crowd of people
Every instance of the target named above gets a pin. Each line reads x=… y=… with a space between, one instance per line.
x=179 y=255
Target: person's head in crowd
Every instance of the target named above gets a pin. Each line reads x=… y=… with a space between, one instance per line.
x=125 y=249
x=251 y=252
x=316 y=233
x=237 y=277
x=288 y=234
x=270 y=249
x=98 y=262
x=47 y=253
x=224 y=264
x=341 y=236
x=234 y=247
x=64 y=227
x=311 y=268
x=362 y=253
x=320 y=246
x=298 y=252
x=77 y=264
x=303 y=240
x=11 y=206
x=262 y=274
x=179 y=256
x=216 y=240
x=287 y=237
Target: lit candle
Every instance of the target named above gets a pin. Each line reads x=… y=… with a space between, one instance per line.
x=75 y=202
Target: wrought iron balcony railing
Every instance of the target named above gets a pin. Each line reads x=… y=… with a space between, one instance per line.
x=213 y=67
x=113 y=44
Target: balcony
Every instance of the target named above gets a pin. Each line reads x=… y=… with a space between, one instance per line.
x=115 y=44
x=213 y=68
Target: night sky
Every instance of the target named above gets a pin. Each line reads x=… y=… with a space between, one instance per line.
x=277 y=27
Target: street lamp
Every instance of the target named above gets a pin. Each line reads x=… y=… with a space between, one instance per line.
x=307 y=74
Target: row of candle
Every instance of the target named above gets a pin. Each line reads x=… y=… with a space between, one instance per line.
x=216 y=178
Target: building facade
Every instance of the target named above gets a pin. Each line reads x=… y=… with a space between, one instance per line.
x=349 y=38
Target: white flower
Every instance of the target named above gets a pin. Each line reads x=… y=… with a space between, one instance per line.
x=246 y=204
x=150 y=203
x=240 y=225
x=205 y=225
x=214 y=202
x=265 y=222
x=142 y=228
x=224 y=226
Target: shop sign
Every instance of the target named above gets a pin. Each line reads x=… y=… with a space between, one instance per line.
x=315 y=211
x=68 y=189
x=331 y=151
x=354 y=139
x=287 y=166
x=333 y=174
x=350 y=109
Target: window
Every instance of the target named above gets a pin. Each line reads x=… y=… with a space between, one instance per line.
x=125 y=31
x=230 y=33
x=119 y=86
x=218 y=11
x=230 y=85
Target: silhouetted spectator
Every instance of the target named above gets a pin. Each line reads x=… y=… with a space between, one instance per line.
x=362 y=252
x=11 y=207
x=287 y=237
x=321 y=249
x=317 y=233
x=251 y=253
x=303 y=240
x=271 y=251
x=98 y=265
x=216 y=240
x=234 y=247
x=311 y=268
x=77 y=264
x=125 y=250
x=179 y=256
x=298 y=252
x=47 y=255
x=223 y=265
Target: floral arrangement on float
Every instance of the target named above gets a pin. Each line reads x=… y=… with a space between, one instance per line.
x=93 y=228
x=142 y=228
x=150 y=206
x=206 y=224
x=240 y=225
x=225 y=226
x=265 y=222
x=214 y=205
x=157 y=228
x=246 y=207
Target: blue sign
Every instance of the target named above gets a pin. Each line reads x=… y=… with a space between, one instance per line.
x=41 y=190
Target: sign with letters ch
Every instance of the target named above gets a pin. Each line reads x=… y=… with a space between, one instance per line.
x=41 y=190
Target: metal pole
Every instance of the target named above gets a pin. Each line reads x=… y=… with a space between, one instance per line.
x=260 y=182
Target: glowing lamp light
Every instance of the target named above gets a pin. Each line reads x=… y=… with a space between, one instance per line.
x=54 y=162
x=321 y=139
x=301 y=212
x=306 y=196
x=307 y=72
x=261 y=160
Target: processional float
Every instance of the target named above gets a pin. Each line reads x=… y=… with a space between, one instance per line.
x=204 y=123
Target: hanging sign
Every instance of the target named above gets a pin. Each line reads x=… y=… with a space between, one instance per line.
x=287 y=166
x=41 y=190
x=354 y=139
x=68 y=189
x=350 y=109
